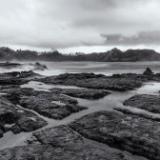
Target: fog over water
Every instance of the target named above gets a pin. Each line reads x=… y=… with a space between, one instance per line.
x=107 y=68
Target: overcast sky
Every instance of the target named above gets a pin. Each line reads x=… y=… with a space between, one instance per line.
x=72 y=25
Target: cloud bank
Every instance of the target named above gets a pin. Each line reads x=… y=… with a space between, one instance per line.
x=54 y=24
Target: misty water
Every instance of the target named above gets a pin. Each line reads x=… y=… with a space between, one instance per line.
x=115 y=99
x=107 y=68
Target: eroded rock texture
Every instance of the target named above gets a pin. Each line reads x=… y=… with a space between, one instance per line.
x=91 y=94
x=127 y=132
x=50 y=104
x=144 y=101
x=90 y=80
x=17 y=119
x=63 y=143
x=17 y=78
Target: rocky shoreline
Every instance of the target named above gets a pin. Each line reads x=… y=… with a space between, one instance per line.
x=119 y=134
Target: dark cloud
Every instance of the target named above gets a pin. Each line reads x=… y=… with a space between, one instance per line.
x=150 y=37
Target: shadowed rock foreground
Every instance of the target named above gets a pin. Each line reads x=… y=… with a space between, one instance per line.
x=123 y=134
x=64 y=143
x=16 y=119
x=127 y=132
x=50 y=104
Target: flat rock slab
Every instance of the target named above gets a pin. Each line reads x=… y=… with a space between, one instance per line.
x=9 y=64
x=63 y=143
x=127 y=132
x=50 y=104
x=91 y=94
x=16 y=119
x=144 y=101
x=17 y=78
x=138 y=112
x=90 y=80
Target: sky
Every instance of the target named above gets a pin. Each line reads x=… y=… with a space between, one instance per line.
x=80 y=25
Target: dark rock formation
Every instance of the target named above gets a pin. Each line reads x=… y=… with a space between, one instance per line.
x=90 y=80
x=84 y=93
x=50 y=104
x=63 y=143
x=148 y=72
x=17 y=78
x=17 y=119
x=127 y=132
x=39 y=66
x=147 y=102
x=9 y=64
x=141 y=113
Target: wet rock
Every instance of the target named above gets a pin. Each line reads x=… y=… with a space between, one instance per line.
x=63 y=143
x=8 y=113
x=27 y=121
x=39 y=66
x=144 y=101
x=148 y=72
x=1 y=131
x=23 y=74
x=84 y=93
x=50 y=104
x=138 y=112
x=13 y=93
x=16 y=119
x=9 y=64
x=127 y=132
x=17 y=78
x=90 y=80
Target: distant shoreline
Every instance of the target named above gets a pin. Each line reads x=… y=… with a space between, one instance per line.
x=114 y=55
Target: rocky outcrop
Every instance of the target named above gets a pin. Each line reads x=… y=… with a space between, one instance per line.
x=17 y=119
x=104 y=135
x=138 y=112
x=90 y=80
x=9 y=64
x=127 y=132
x=148 y=72
x=17 y=78
x=50 y=104
x=63 y=143
x=116 y=82
x=39 y=66
x=91 y=94
x=144 y=101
